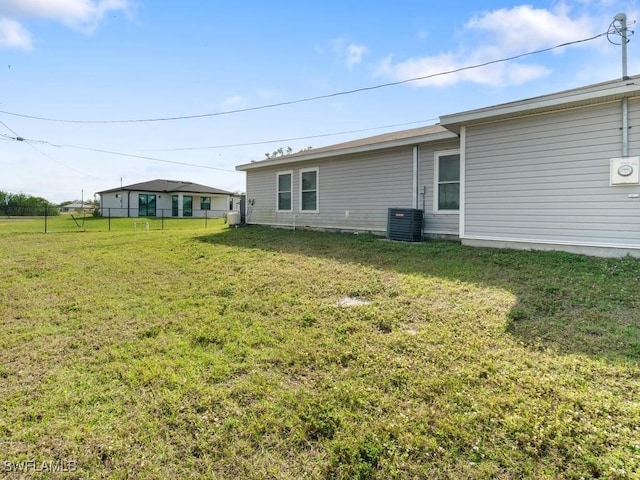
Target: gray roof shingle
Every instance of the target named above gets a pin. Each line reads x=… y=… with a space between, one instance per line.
x=168 y=186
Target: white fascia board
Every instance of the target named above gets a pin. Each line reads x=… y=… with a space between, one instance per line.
x=541 y=104
x=304 y=157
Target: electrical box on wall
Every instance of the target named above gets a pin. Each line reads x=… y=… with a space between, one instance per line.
x=625 y=171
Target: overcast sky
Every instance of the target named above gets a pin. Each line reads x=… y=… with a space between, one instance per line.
x=87 y=65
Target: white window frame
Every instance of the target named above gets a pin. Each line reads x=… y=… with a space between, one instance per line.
x=278 y=174
x=317 y=190
x=201 y=199
x=436 y=182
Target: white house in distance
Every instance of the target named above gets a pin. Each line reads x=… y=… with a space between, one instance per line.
x=556 y=172
x=167 y=198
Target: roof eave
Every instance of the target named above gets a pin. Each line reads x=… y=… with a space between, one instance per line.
x=153 y=190
x=626 y=88
x=305 y=157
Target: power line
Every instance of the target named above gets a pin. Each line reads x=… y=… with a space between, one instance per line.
x=59 y=162
x=318 y=97
x=10 y=129
x=21 y=139
x=30 y=142
x=282 y=140
x=615 y=28
x=129 y=155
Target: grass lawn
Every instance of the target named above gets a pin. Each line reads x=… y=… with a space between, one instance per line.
x=225 y=354
x=80 y=222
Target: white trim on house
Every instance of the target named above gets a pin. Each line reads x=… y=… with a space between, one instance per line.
x=317 y=189
x=463 y=176
x=278 y=175
x=600 y=93
x=416 y=176
x=436 y=181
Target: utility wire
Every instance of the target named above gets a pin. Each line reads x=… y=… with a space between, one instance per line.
x=30 y=143
x=59 y=162
x=11 y=130
x=318 y=97
x=98 y=150
x=129 y=155
x=615 y=28
x=282 y=140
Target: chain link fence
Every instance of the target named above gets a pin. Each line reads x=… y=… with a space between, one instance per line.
x=44 y=219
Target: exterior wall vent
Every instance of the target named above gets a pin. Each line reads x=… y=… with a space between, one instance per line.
x=625 y=171
x=404 y=224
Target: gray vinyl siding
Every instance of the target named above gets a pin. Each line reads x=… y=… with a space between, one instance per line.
x=434 y=223
x=355 y=191
x=545 y=178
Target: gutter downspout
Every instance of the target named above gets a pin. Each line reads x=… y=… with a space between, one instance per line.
x=625 y=127
x=129 y=204
x=463 y=180
x=416 y=175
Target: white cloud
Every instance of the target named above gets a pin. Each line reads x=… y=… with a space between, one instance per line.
x=525 y=28
x=497 y=34
x=351 y=53
x=354 y=54
x=14 y=35
x=82 y=15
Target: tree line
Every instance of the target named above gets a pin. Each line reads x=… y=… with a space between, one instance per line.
x=20 y=204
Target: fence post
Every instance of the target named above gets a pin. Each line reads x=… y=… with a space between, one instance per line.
x=45 y=219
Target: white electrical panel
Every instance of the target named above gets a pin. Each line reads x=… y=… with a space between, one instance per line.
x=625 y=171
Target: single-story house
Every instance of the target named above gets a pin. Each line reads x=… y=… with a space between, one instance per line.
x=555 y=172
x=167 y=198
x=76 y=207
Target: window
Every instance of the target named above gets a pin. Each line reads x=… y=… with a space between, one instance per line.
x=175 y=205
x=187 y=206
x=447 y=175
x=309 y=190
x=146 y=205
x=285 y=190
x=205 y=203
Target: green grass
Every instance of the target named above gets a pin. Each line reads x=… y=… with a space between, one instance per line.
x=79 y=222
x=222 y=353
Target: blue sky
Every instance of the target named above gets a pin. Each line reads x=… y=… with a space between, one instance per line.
x=112 y=60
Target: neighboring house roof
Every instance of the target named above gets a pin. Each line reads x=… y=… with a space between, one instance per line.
x=168 y=186
x=579 y=97
x=77 y=205
x=386 y=140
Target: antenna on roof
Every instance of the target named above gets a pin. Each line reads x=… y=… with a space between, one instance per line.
x=621 y=18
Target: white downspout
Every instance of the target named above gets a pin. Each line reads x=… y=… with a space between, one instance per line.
x=463 y=179
x=416 y=176
x=625 y=127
